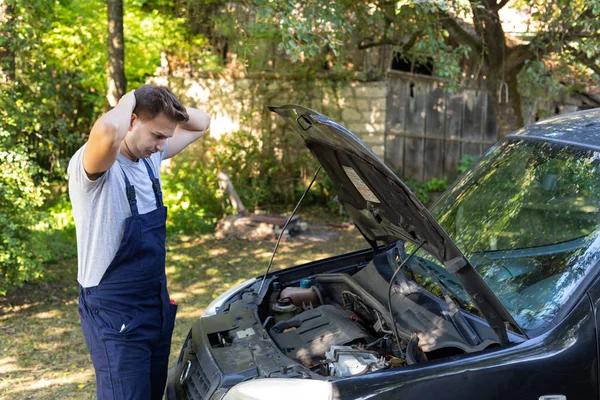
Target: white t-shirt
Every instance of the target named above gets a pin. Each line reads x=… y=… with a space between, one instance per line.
x=100 y=208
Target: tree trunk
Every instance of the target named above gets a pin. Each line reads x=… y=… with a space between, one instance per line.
x=507 y=101
x=117 y=85
x=7 y=54
x=502 y=82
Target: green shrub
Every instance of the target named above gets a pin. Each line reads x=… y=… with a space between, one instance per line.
x=436 y=185
x=190 y=190
x=54 y=234
x=465 y=162
x=275 y=176
x=263 y=178
x=20 y=199
x=252 y=170
x=423 y=190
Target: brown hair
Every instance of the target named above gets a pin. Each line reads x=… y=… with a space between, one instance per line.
x=151 y=100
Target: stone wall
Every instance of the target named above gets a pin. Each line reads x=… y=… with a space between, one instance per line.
x=240 y=104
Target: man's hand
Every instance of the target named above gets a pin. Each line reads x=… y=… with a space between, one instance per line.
x=106 y=136
x=188 y=132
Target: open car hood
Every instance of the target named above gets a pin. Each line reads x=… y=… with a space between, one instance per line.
x=384 y=209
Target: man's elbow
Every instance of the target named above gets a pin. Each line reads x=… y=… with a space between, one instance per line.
x=106 y=132
x=207 y=120
x=204 y=125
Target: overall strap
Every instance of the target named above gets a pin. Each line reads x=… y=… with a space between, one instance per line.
x=130 y=192
x=155 y=185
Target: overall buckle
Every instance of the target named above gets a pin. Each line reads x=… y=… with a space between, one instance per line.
x=130 y=193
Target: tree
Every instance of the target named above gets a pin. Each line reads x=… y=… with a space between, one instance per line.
x=465 y=39
x=117 y=85
x=564 y=33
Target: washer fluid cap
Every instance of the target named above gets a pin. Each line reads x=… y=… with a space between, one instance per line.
x=306 y=283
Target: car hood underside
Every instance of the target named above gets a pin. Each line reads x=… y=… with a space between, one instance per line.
x=384 y=209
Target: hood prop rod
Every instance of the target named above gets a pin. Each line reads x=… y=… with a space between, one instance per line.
x=392 y=279
x=285 y=226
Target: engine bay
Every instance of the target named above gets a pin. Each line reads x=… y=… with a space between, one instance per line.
x=338 y=325
x=327 y=320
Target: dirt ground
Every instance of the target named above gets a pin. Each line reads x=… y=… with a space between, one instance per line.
x=42 y=351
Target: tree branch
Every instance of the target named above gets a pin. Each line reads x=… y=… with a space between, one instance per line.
x=581 y=56
x=477 y=17
x=459 y=33
x=405 y=45
x=517 y=55
x=500 y=5
x=587 y=98
x=543 y=42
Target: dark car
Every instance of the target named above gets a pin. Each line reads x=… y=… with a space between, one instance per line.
x=492 y=295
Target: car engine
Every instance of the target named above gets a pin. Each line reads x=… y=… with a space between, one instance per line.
x=336 y=324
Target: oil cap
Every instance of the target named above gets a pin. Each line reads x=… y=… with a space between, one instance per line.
x=284 y=302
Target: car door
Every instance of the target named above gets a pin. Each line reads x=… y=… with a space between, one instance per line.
x=594 y=296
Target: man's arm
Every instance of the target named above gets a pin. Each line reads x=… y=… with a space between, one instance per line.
x=106 y=136
x=188 y=132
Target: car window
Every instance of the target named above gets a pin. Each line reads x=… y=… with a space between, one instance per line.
x=527 y=218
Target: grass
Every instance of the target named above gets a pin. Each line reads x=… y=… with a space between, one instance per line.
x=42 y=350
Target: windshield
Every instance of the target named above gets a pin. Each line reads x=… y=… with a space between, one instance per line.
x=527 y=219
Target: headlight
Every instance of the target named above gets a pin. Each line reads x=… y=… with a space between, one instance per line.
x=218 y=302
x=279 y=388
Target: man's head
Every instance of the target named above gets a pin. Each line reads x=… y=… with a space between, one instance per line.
x=155 y=116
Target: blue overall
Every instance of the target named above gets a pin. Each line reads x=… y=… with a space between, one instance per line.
x=128 y=318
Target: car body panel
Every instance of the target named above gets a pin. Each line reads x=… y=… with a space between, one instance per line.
x=579 y=128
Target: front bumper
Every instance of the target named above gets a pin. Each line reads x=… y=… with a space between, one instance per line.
x=225 y=349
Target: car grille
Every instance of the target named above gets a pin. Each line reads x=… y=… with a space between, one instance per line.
x=198 y=384
x=204 y=377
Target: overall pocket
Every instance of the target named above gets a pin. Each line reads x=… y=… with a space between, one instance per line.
x=112 y=316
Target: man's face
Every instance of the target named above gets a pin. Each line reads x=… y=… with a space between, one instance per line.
x=147 y=137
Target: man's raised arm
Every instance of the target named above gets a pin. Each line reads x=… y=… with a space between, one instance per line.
x=106 y=136
x=188 y=132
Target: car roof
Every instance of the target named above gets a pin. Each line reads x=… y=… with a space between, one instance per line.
x=579 y=128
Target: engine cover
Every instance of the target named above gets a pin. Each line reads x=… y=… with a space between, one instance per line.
x=307 y=336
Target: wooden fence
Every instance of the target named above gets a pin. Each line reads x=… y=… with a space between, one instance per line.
x=428 y=129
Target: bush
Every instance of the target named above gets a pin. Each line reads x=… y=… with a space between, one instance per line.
x=20 y=200
x=423 y=190
x=190 y=190
x=253 y=172
x=54 y=234
x=261 y=178
x=465 y=162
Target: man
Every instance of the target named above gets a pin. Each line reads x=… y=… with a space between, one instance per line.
x=126 y=314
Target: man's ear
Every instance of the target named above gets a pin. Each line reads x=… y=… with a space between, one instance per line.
x=134 y=118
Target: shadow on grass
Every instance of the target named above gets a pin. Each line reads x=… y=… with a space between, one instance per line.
x=42 y=350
